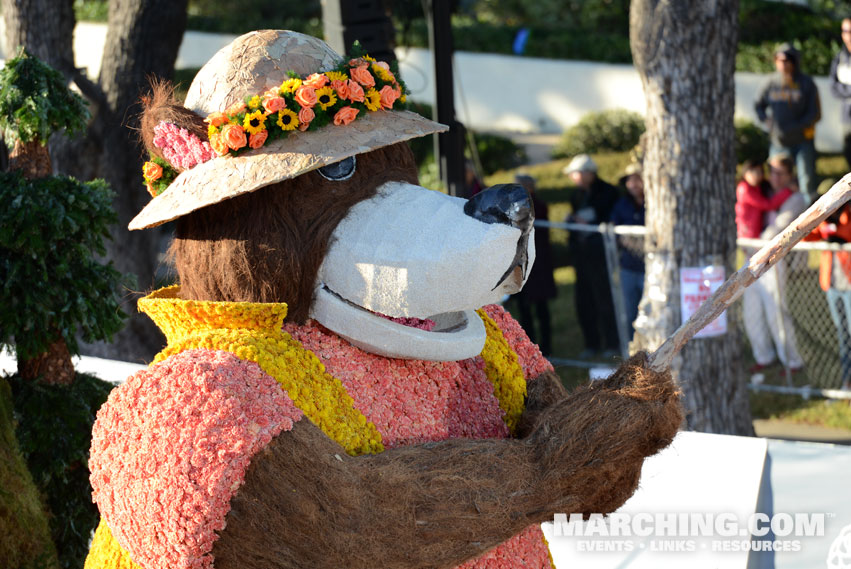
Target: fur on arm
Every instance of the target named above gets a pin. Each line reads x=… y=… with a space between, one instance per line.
x=439 y=504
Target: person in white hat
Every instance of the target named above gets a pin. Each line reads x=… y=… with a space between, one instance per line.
x=592 y=204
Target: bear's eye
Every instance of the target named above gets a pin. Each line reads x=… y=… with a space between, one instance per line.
x=338 y=171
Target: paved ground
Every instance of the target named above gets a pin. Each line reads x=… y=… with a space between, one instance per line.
x=775 y=429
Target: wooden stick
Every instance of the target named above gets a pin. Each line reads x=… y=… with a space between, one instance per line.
x=760 y=262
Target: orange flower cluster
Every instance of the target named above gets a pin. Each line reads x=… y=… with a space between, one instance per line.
x=350 y=91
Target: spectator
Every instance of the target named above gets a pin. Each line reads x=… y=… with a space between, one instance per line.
x=840 y=86
x=592 y=204
x=768 y=323
x=789 y=105
x=754 y=199
x=629 y=210
x=471 y=179
x=835 y=281
x=540 y=287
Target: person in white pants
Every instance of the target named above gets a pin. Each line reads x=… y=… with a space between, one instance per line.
x=768 y=322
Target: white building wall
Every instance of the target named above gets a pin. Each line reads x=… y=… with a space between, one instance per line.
x=502 y=92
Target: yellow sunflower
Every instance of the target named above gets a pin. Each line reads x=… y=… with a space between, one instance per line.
x=254 y=122
x=287 y=119
x=372 y=100
x=254 y=103
x=325 y=97
x=368 y=58
x=382 y=73
x=290 y=85
x=336 y=75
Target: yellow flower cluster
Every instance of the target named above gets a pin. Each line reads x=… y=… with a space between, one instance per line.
x=253 y=332
x=503 y=370
x=105 y=553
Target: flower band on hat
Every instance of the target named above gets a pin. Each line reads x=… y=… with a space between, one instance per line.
x=351 y=90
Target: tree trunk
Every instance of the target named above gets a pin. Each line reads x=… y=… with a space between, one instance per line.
x=141 y=42
x=54 y=365
x=685 y=53
x=31 y=159
x=44 y=27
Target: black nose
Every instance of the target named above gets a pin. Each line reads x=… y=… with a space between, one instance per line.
x=508 y=204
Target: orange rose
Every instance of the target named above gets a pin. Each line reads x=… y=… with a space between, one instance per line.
x=305 y=116
x=273 y=104
x=362 y=76
x=316 y=81
x=341 y=87
x=358 y=62
x=355 y=92
x=256 y=140
x=388 y=96
x=345 y=116
x=235 y=108
x=234 y=136
x=152 y=171
x=218 y=144
x=306 y=96
x=216 y=119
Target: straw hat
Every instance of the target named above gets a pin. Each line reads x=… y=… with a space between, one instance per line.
x=252 y=64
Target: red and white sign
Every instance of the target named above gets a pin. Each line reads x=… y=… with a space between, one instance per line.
x=696 y=285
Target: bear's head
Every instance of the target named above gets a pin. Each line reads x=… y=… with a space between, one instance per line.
x=327 y=216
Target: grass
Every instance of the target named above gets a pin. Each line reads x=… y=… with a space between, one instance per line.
x=819 y=354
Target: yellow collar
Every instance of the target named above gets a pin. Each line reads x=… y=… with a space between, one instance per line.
x=178 y=318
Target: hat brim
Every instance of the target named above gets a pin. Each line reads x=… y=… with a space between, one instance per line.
x=228 y=176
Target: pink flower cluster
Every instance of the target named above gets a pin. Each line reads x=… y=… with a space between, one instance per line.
x=526 y=549
x=180 y=147
x=528 y=354
x=409 y=401
x=171 y=447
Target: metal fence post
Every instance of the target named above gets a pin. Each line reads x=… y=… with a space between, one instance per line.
x=611 y=247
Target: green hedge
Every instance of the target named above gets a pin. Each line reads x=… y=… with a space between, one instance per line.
x=593 y=30
x=54 y=432
x=614 y=130
x=25 y=541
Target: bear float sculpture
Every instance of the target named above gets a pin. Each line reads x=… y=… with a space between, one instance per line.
x=338 y=388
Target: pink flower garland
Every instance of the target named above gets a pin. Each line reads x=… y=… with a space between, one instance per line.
x=409 y=401
x=528 y=354
x=180 y=147
x=171 y=447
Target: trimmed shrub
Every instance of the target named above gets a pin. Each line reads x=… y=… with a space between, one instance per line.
x=50 y=230
x=615 y=130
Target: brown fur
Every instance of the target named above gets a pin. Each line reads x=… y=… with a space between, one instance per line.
x=305 y=503
x=160 y=105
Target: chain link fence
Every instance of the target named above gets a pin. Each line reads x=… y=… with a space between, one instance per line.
x=797 y=335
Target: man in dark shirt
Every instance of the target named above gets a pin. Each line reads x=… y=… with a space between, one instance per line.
x=789 y=105
x=592 y=204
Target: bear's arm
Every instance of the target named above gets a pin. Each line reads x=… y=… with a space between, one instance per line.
x=305 y=503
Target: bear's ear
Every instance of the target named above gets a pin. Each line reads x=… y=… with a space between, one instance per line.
x=160 y=105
